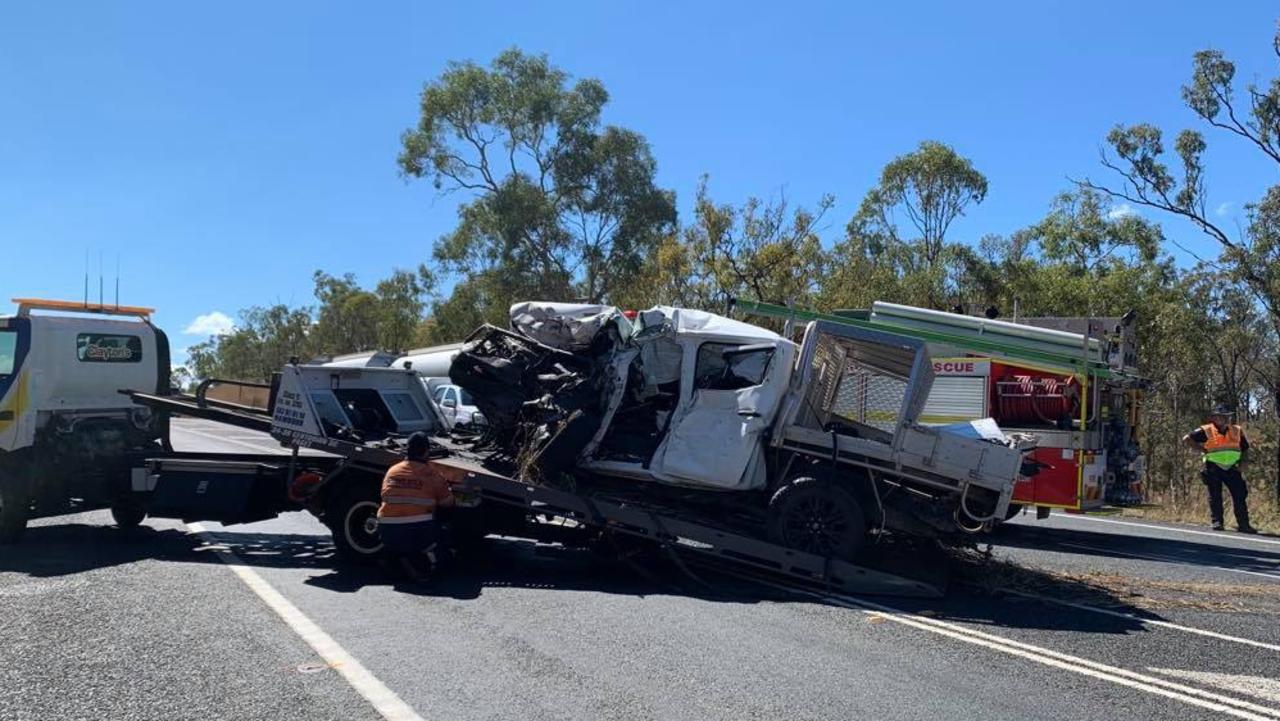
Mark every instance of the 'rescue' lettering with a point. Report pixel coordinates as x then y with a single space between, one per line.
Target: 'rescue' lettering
961 367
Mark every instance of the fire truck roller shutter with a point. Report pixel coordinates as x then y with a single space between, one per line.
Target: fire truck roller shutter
955 398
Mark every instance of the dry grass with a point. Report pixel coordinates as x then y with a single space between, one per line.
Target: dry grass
1193 507
1112 590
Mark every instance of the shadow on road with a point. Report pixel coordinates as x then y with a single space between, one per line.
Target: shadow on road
60 550
1111 545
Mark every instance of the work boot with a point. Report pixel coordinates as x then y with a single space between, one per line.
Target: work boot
417 569
1247 529
1216 525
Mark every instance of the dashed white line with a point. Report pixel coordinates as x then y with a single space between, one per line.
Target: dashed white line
383 699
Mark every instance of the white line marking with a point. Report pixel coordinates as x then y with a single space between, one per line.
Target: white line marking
1055 659
1147 621
384 700
1267 689
1214 534
1171 559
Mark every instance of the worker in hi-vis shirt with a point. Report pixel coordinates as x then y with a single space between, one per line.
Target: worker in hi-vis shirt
1225 447
412 494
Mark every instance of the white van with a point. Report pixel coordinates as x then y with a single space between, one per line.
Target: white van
457 405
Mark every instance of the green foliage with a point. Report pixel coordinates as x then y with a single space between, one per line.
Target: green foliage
1251 257
350 319
556 206
1246 274
763 250
400 305
347 319
262 342
560 207
930 187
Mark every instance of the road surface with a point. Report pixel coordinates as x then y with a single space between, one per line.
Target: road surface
1112 619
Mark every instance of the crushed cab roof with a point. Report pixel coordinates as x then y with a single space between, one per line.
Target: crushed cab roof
685 320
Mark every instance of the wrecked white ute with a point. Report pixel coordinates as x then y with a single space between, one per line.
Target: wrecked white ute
820 438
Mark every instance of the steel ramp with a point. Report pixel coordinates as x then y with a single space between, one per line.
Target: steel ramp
705 541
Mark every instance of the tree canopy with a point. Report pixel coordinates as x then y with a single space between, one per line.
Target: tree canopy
553 204
558 205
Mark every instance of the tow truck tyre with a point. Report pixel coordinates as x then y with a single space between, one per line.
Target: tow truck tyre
128 514
13 510
813 515
352 516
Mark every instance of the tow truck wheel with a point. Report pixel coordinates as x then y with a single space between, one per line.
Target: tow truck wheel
352 516
13 510
815 516
128 514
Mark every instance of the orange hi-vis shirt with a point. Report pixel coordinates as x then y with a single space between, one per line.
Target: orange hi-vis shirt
411 490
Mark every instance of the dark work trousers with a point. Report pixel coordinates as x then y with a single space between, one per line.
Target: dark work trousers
405 539
1215 478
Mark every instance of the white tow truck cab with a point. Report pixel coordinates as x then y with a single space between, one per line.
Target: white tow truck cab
316 401
432 366
65 429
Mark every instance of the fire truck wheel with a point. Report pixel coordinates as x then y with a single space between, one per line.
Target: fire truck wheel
352 516
13 510
128 514
815 516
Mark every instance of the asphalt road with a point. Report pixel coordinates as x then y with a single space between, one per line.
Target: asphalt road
1110 619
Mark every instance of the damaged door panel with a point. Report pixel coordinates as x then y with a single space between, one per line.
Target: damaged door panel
715 439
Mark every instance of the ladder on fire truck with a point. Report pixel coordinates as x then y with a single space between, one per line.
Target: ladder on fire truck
976 344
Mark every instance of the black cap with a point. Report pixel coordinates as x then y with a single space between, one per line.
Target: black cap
1222 409
418 447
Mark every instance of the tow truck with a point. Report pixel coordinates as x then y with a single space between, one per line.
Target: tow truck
65 434
358 417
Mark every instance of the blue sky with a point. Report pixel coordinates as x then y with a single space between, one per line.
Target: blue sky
225 151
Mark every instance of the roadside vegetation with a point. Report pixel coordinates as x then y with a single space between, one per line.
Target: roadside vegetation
555 204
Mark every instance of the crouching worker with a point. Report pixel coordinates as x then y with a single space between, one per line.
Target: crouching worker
412 494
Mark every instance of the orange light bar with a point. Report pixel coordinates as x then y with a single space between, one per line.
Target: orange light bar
25 305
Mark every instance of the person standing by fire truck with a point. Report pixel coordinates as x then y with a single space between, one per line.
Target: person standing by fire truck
1225 447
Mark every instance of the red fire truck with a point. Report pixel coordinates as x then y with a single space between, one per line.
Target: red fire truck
1070 382
1084 426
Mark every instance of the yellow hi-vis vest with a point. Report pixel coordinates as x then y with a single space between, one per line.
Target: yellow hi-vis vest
1221 449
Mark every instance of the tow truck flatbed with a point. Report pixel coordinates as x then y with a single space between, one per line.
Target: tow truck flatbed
345 487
